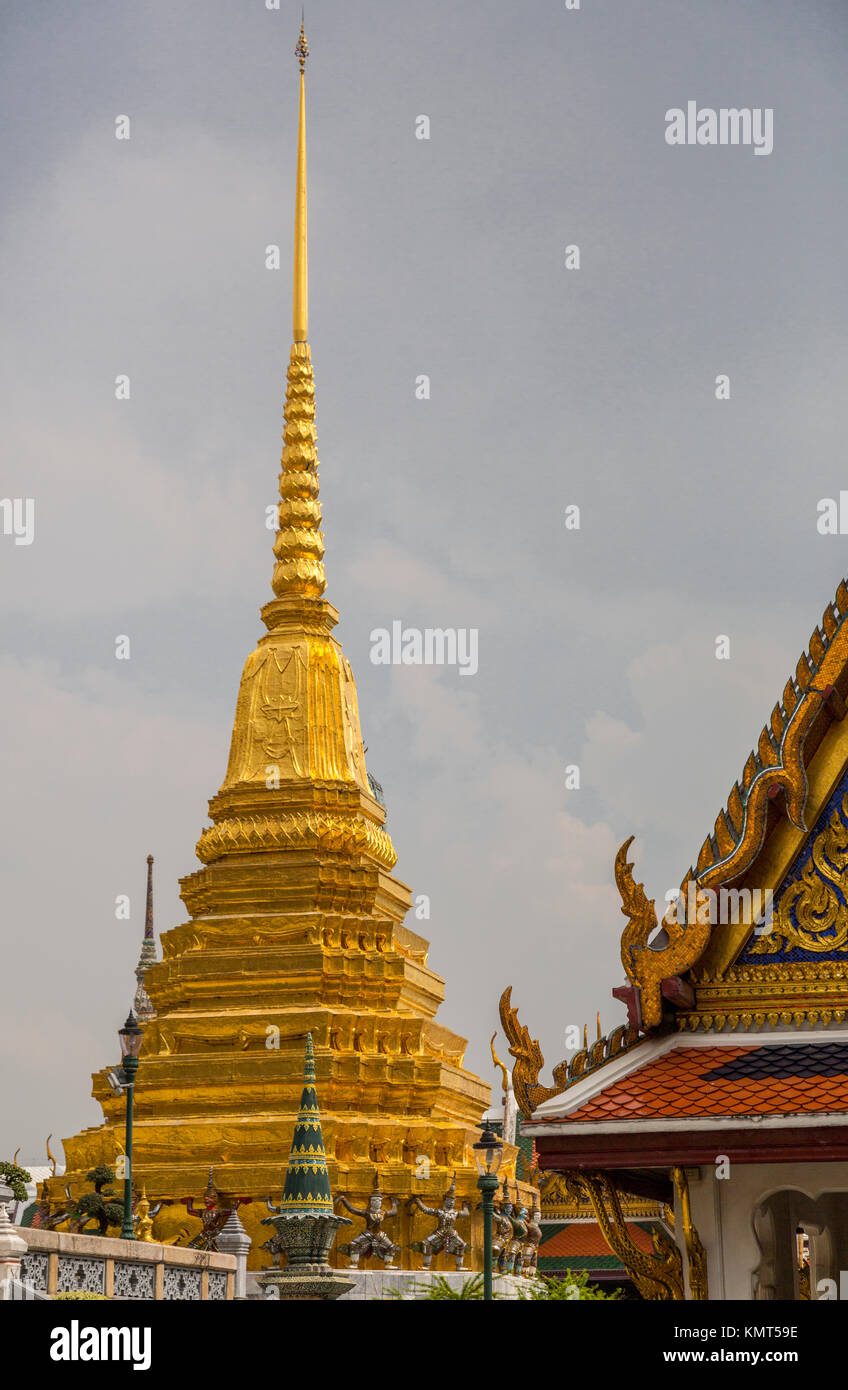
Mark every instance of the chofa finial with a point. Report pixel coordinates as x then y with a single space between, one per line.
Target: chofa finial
302 50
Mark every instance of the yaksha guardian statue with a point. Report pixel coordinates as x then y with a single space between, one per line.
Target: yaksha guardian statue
515 1250
504 1225
212 1217
530 1253
373 1240
501 1235
445 1237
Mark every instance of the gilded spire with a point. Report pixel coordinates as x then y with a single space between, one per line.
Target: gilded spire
142 1005
148 909
299 545
300 301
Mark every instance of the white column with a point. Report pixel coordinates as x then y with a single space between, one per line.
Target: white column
12 1250
234 1240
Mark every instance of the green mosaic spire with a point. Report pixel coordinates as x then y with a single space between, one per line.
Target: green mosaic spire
307 1189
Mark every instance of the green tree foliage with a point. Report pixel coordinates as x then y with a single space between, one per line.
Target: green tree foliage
440 1288
573 1288
16 1178
100 1205
544 1288
100 1176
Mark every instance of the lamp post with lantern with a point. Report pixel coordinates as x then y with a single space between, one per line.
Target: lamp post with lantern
130 1037
487 1153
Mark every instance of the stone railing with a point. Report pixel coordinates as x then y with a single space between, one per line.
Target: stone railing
58 1262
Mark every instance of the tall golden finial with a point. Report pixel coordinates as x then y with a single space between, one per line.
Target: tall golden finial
302 50
599 1025
585 1036
300 302
299 545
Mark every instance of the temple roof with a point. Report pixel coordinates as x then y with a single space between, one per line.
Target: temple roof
776 955
818 669
787 1077
582 1244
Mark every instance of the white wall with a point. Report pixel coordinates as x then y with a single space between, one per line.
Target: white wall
723 1212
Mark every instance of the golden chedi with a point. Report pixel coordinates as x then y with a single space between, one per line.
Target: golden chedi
296 926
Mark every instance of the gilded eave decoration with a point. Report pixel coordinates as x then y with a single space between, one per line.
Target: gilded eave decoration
811 911
529 1058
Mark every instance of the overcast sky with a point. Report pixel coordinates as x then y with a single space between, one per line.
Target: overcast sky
549 387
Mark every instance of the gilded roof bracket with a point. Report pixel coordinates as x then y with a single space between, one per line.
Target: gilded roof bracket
658 1277
695 1252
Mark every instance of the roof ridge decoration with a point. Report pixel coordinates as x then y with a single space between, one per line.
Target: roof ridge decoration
726 854
739 829
529 1058
723 844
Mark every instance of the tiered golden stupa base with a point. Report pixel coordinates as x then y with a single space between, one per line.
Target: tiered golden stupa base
296 926
412 1118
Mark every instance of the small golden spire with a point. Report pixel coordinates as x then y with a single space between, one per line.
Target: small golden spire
302 50
585 1036
300 300
144 1221
599 1025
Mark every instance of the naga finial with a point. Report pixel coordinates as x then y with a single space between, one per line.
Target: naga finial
50 1157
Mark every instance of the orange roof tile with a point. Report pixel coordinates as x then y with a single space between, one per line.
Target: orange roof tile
688 1082
584 1238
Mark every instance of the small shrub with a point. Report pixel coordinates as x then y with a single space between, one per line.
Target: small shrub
441 1288
573 1288
77 1296
101 1205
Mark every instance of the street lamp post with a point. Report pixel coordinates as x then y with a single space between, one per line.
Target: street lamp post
487 1154
130 1036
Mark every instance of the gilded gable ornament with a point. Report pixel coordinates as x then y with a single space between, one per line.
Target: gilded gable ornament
811 913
